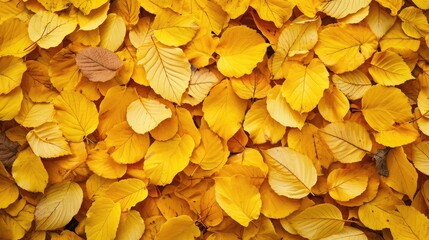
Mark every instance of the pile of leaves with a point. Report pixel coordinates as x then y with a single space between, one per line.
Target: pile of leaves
214 119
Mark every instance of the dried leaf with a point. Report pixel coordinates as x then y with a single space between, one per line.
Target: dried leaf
98 64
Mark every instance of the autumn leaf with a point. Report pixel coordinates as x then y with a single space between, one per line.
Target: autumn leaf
98 64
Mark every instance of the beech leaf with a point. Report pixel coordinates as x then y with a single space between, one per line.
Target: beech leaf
98 64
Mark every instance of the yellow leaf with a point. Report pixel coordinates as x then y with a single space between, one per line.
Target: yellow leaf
164 160
12 9
393 5
8 190
250 157
276 206
112 32
345 184
58 206
34 114
167 69
37 76
348 232
131 226
238 198
379 20
290 174
234 8
145 114
129 10
408 223
87 5
127 192
209 14
114 106
334 105
260 126
201 82
422 4
96 186
276 11
389 69
93 19
11 71
240 49
224 110
76 115
414 22
345 47
29 172
280 110
102 164
398 136
383 106
15 227
129 146
211 153
420 157
48 29
262 228
353 84
102 219
10 104
180 227
356 17
12 42
395 38
376 214
322 220
402 174
348 141
186 125
47 141
254 85
173 29
339 9
309 8
63 71
200 50
304 85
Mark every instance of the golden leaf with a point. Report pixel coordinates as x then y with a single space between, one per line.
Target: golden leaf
47 141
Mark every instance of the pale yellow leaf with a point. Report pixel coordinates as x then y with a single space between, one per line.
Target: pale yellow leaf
131 226
276 11
349 233
340 9
93 19
145 114
112 32
238 198
102 219
58 206
395 38
224 110
234 8
10 104
35 114
48 29
201 82
29 172
348 141
164 160
13 42
414 22
379 20
47 141
420 157
127 192
322 220
353 84
167 69
290 174
87 5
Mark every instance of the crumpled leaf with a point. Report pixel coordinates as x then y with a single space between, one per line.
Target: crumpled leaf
98 64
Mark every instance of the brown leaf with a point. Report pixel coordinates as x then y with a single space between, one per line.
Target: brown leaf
8 150
98 64
380 158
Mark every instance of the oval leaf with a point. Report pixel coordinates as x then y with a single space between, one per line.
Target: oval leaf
47 141
127 192
389 69
180 227
57 207
29 172
98 64
102 219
